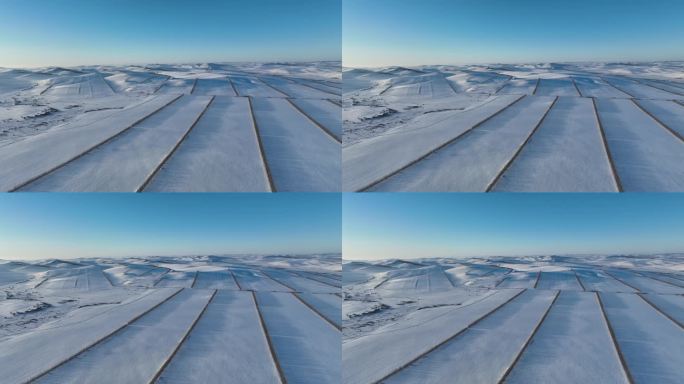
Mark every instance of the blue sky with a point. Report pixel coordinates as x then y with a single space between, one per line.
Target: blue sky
411 225
77 32
412 32
112 225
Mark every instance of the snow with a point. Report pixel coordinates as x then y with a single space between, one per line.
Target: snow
80 325
300 155
486 349
227 342
653 346
124 163
391 119
647 156
566 154
221 153
492 323
51 117
573 345
362 167
481 155
307 348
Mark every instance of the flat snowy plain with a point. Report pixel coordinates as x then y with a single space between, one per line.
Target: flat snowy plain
554 319
537 128
189 128
213 319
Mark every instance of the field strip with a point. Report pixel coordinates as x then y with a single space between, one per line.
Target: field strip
650 342
312 87
559 280
33 158
307 347
328 305
142 346
228 342
215 280
604 140
665 278
648 84
271 348
572 345
557 87
274 88
621 281
616 87
301 157
661 311
657 120
125 162
298 283
649 284
461 165
613 338
253 280
174 148
510 161
315 122
566 153
485 349
260 141
323 113
426 332
646 156
31 356
318 279
184 338
315 310
390 155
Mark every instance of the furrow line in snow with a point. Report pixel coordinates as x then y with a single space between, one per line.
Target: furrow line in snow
271 185
271 349
161 277
163 83
616 87
653 86
175 148
182 340
46 89
536 86
679 102
334 102
475 322
536 282
623 362
106 82
505 83
657 120
529 339
233 86
274 88
234 279
279 282
41 282
441 146
316 280
620 280
578 280
613 170
643 296
102 143
658 279
316 123
107 336
385 90
194 84
492 184
576 87
194 280
107 277
316 311
309 86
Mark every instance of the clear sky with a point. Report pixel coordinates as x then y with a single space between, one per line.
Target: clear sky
411 225
56 225
415 32
36 33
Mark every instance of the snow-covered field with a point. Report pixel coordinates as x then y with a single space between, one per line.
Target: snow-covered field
210 319
545 127
553 319
201 127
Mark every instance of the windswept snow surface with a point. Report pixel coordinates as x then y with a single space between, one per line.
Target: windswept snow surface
538 319
171 320
614 127
169 128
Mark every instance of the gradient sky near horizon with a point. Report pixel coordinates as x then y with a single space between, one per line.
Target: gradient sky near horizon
57 225
412 32
413 225
39 33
